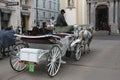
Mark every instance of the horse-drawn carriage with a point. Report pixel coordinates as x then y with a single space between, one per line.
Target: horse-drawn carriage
49 47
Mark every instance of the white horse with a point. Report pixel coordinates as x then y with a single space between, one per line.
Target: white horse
84 36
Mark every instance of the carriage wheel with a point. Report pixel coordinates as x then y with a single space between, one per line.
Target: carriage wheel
77 52
54 60
15 61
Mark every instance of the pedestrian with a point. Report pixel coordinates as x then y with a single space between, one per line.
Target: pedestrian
52 21
61 19
119 25
109 30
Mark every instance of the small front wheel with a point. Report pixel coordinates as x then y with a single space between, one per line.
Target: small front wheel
54 60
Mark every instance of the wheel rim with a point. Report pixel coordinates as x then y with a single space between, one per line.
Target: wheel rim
54 61
77 52
15 61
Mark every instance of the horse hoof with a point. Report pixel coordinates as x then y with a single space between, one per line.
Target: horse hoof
1 56
82 54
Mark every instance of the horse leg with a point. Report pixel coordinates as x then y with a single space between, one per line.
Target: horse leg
88 51
8 51
89 43
1 55
84 48
3 51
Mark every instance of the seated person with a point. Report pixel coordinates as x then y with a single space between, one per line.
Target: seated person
46 29
35 30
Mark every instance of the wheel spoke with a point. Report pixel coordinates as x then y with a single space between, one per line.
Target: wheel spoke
15 64
56 49
77 52
57 55
49 67
17 68
52 53
20 66
53 71
14 60
55 67
48 64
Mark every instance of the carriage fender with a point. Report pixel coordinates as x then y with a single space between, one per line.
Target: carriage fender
42 53
79 40
75 41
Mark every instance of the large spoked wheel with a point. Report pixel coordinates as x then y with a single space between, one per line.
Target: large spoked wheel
15 61
77 52
54 60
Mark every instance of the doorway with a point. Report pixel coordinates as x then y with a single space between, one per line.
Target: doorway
102 17
24 23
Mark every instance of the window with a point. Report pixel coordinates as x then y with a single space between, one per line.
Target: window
89 12
49 15
50 4
114 11
54 5
43 14
58 6
26 1
71 3
20 2
43 4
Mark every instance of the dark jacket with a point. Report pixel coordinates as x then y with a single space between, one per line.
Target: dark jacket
61 21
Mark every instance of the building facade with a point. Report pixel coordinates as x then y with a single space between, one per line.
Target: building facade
76 11
103 13
5 14
16 13
45 9
100 13
27 13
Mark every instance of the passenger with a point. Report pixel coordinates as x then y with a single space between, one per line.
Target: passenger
35 30
46 29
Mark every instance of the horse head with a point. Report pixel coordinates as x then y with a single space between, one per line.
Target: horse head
77 29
